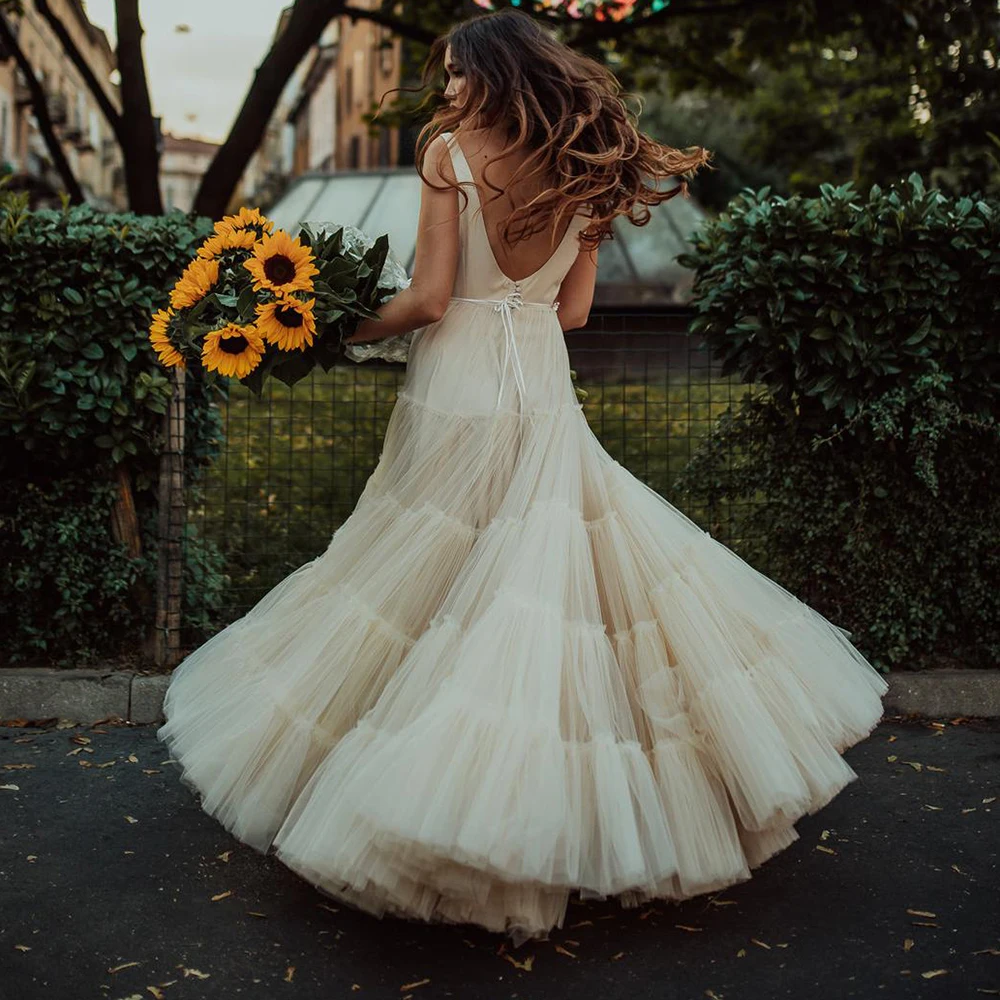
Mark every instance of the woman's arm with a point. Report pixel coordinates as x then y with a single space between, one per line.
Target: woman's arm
576 293
435 260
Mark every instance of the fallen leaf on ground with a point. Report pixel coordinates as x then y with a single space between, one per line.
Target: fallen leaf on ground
617 955
825 850
125 965
907 944
133 759
289 973
11 788
761 943
410 986
224 856
921 913
17 767
193 972
131 819
933 973
916 765
157 993
222 895
688 927
22 947
525 965
564 951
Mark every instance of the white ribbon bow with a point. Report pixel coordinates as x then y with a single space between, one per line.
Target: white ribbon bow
512 300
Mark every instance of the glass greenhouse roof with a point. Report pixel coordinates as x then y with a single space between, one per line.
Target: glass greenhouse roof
637 267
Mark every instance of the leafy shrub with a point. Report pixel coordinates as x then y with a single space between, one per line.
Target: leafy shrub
868 465
81 391
832 300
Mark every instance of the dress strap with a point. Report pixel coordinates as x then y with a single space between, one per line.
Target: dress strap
463 172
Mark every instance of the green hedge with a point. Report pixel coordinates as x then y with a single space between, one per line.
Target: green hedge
81 390
870 462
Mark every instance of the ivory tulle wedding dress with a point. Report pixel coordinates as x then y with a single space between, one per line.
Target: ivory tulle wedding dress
516 672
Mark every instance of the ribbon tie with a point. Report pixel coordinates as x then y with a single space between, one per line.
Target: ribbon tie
512 300
505 306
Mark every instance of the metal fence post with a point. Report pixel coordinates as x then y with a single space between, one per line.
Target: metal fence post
171 524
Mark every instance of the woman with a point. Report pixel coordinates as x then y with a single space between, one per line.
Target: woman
517 672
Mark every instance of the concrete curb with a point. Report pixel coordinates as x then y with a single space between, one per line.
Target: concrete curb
87 696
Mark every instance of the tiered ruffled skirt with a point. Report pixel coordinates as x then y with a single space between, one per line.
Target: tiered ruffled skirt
517 672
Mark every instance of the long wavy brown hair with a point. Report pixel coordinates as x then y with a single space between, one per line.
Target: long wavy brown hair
569 111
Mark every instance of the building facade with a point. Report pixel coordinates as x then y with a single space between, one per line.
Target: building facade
318 125
85 136
183 161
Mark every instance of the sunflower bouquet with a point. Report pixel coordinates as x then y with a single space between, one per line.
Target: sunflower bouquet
256 301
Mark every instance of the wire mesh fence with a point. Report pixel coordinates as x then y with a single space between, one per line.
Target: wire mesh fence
293 464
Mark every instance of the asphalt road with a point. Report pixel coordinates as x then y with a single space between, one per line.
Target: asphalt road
115 884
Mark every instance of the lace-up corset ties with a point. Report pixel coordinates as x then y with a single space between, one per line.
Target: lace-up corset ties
506 306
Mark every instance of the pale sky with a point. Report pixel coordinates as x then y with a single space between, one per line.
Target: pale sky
198 77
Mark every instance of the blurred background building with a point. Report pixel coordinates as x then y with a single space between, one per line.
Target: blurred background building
85 136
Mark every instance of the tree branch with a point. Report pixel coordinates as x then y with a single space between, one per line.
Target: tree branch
138 137
305 25
74 55
405 29
40 106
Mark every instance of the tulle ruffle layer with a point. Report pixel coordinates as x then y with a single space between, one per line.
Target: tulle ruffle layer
515 673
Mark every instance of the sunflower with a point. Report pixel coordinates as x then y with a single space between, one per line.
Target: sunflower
197 279
281 265
232 350
236 239
160 339
249 219
288 323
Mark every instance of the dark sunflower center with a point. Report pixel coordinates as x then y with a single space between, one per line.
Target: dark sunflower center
233 345
289 317
279 269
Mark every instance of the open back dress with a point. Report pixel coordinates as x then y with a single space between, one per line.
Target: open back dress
516 672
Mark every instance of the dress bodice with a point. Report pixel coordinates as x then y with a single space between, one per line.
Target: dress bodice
478 274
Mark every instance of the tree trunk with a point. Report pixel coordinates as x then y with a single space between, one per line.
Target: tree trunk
139 140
